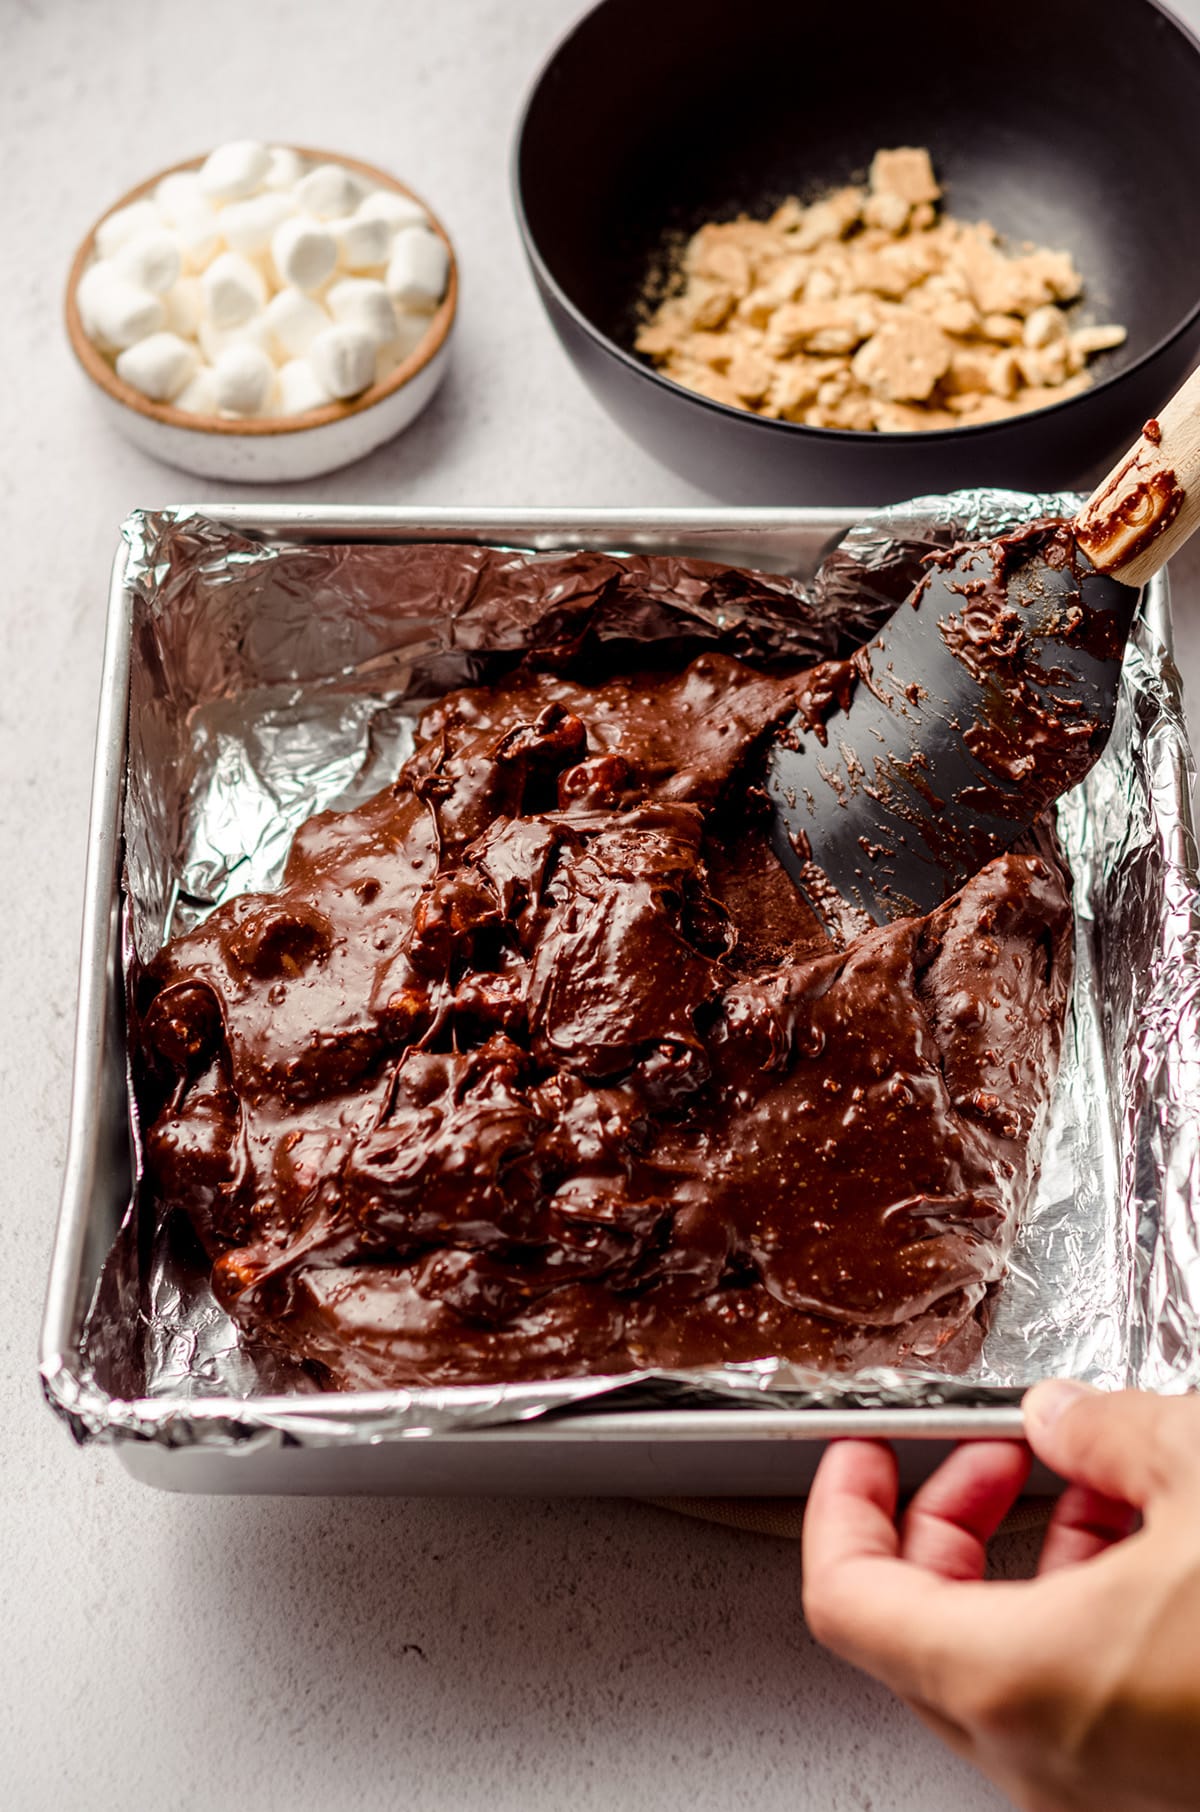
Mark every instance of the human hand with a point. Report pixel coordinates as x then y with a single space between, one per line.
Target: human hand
1076 1691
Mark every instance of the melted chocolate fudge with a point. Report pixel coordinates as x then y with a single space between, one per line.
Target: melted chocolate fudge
537 1064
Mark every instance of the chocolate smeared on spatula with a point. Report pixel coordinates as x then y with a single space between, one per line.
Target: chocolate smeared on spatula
986 697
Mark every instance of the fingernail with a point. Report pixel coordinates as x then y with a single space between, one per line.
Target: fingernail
1045 1403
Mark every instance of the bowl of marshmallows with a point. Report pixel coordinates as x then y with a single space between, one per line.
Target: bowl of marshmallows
264 313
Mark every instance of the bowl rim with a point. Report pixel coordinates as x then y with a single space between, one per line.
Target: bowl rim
104 376
884 437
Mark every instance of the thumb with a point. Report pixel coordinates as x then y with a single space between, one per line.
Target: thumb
1127 1444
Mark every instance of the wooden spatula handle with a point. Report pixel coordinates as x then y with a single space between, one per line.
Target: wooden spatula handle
1150 503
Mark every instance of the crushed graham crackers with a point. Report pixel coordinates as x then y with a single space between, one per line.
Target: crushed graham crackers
870 309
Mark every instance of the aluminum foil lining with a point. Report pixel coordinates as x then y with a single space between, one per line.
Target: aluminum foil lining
271 681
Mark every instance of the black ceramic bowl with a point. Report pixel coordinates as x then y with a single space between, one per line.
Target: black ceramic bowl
1072 123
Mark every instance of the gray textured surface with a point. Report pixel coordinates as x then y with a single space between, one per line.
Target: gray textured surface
335 1654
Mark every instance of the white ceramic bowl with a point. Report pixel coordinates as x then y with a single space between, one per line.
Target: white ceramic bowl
271 449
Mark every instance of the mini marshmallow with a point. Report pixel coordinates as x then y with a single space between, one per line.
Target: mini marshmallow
255 332
234 170
248 225
329 192
243 378
87 292
362 244
285 168
177 194
199 397
150 259
395 210
295 320
198 235
343 359
362 302
185 307
305 253
233 290
159 366
121 312
300 389
136 217
420 264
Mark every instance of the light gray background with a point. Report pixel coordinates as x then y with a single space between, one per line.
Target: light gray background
336 1654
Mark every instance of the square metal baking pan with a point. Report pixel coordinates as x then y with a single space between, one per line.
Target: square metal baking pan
658 1452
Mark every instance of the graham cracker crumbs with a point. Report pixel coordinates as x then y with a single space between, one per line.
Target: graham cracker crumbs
870 309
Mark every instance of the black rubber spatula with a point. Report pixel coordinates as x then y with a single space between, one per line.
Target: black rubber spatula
988 694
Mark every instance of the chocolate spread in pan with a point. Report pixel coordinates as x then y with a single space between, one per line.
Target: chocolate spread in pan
538 1064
